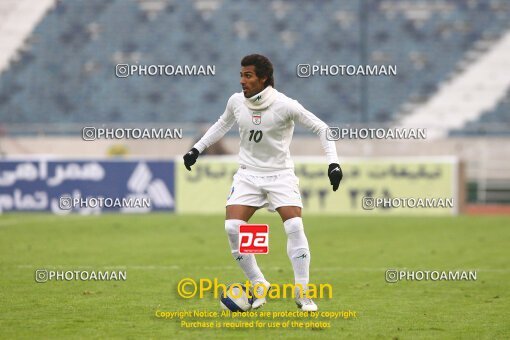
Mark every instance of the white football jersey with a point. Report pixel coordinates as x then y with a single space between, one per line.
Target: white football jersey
266 131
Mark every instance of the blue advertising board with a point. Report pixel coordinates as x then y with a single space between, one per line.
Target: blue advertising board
86 186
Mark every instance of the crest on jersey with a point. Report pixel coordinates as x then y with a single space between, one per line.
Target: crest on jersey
256 118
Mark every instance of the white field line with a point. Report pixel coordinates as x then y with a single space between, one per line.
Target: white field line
175 267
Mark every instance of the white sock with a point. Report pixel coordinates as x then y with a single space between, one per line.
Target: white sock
247 262
298 251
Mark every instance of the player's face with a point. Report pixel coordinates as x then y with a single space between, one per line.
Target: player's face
250 83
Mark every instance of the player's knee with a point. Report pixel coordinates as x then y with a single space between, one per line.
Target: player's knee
232 226
293 225
297 244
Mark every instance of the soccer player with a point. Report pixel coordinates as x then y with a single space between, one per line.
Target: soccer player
266 173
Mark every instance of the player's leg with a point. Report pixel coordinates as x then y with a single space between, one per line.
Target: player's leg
283 193
240 212
245 197
299 254
288 212
297 244
235 216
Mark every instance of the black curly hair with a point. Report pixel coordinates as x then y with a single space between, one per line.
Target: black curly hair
263 67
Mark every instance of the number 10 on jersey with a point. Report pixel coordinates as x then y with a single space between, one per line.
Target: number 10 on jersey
255 135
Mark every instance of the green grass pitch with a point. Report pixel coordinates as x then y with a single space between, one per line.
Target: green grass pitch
350 253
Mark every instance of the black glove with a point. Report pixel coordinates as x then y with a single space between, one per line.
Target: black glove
335 175
190 158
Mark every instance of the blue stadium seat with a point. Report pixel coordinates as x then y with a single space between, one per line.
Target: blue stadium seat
67 73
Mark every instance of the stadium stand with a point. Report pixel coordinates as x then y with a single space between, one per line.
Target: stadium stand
492 123
65 71
476 88
17 21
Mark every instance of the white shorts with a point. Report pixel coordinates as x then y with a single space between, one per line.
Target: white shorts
271 191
